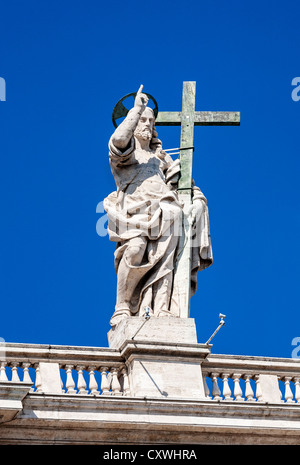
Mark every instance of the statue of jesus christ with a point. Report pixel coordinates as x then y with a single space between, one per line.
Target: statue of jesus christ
145 217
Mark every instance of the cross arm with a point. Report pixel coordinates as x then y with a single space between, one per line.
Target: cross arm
201 118
168 118
217 118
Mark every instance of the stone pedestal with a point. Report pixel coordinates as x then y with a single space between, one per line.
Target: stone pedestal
165 330
162 356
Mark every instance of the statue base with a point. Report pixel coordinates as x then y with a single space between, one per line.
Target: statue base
164 329
162 356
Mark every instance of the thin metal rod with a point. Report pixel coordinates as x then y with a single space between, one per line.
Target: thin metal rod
179 148
139 329
222 323
147 317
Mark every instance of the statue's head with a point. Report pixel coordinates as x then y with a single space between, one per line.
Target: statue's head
145 129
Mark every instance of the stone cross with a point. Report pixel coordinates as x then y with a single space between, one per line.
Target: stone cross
187 119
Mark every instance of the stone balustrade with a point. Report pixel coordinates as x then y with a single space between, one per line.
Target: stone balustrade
72 370
176 390
251 379
65 369
112 381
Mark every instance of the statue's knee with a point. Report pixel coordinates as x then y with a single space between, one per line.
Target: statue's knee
134 255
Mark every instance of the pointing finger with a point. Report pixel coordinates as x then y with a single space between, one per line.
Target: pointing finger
140 89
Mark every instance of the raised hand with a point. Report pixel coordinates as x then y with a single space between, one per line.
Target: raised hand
141 100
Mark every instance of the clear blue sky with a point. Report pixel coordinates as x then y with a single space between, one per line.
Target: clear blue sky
66 64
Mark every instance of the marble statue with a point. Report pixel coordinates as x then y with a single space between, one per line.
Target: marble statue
145 217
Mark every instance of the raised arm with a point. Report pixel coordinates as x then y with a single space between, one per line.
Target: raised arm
122 135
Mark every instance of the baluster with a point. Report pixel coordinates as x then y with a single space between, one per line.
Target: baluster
226 387
62 386
126 388
61 368
215 387
38 379
81 384
248 391
288 395
14 372
280 391
105 382
70 384
93 385
26 375
297 389
115 384
206 388
258 393
3 376
237 392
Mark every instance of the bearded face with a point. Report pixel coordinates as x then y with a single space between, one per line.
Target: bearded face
145 125
143 133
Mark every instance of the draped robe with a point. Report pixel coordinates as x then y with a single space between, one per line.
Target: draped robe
146 205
